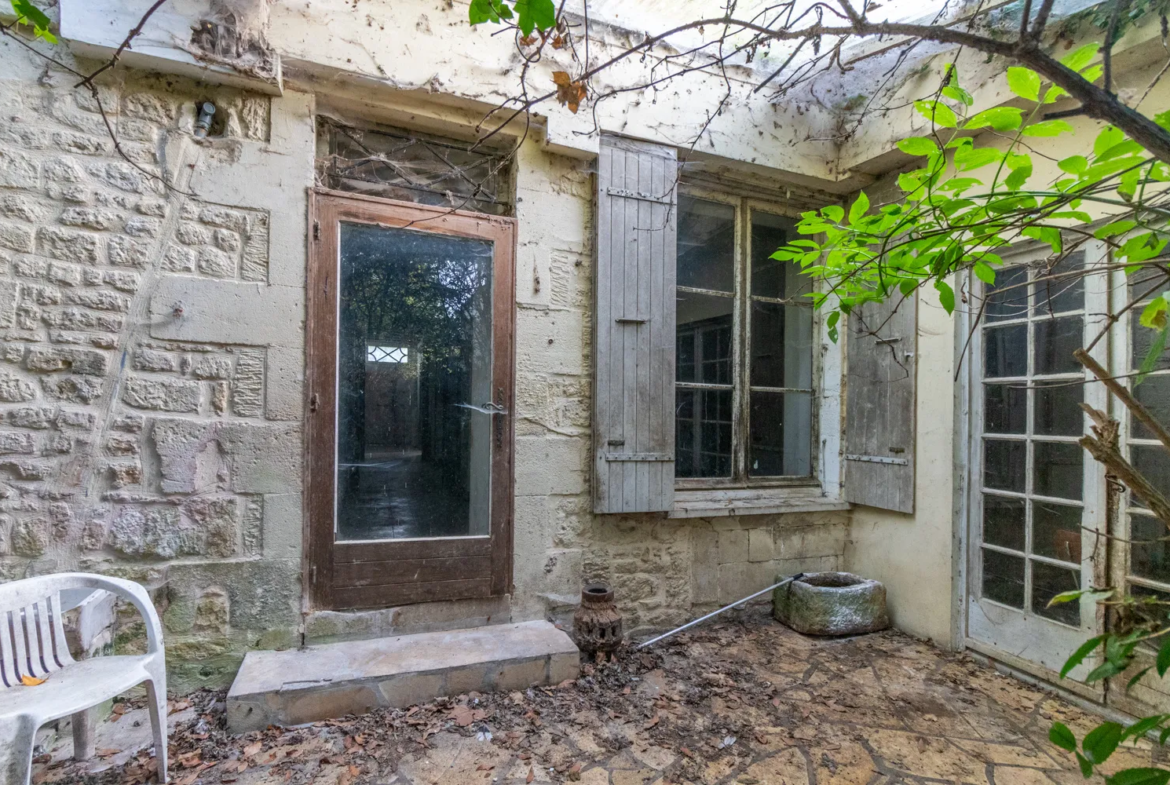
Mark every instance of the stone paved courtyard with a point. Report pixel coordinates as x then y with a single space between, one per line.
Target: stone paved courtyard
746 701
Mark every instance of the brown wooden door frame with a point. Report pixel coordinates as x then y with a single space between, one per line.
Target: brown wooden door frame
383 573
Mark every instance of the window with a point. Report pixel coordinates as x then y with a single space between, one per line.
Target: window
743 352
1033 479
1149 551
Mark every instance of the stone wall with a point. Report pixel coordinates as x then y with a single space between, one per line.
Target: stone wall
151 394
122 450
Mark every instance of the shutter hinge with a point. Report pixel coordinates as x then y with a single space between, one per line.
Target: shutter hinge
313 575
313 401
316 230
878 459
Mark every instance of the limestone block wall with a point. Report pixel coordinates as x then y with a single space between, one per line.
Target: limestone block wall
151 381
134 440
663 570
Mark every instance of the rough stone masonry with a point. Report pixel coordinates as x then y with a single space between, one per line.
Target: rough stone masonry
119 452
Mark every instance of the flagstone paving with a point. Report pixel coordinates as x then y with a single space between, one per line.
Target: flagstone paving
746 701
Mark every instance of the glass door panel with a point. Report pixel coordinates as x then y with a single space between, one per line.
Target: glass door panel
414 385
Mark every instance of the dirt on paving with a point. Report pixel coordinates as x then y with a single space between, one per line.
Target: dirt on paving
743 701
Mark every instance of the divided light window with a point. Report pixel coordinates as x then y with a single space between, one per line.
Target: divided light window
744 360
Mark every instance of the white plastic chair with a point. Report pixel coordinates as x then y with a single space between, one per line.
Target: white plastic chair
32 643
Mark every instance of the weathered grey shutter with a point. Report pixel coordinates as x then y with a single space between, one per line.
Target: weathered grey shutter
633 414
880 403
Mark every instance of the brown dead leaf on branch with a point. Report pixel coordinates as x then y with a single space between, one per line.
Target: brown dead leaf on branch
569 92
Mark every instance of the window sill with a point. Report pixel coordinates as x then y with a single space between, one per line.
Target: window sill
772 501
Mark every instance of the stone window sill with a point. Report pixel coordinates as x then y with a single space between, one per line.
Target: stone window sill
771 501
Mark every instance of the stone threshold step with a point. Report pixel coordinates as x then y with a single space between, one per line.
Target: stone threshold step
322 682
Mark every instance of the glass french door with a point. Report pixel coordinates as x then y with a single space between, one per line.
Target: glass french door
1036 506
410 444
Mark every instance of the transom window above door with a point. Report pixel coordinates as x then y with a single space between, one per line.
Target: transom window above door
744 338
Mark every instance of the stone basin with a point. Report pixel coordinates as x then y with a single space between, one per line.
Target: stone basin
831 603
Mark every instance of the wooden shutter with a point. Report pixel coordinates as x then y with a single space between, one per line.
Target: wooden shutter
880 404
633 415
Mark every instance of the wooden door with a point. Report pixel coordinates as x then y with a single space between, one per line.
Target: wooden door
410 432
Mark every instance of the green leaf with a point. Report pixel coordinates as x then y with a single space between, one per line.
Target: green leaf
1000 118
1113 229
1147 776
956 93
946 295
859 208
1053 94
938 113
1047 128
1062 737
984 272
535 14
1134 680
1086 767
1024 82
833 212
1079 58
1079 655
968 158
918 145
1018 177
27 13
1144 725
1074 164
1154 315
1101 741
1108 137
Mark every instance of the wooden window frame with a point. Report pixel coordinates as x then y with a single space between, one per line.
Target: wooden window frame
483 563
741 365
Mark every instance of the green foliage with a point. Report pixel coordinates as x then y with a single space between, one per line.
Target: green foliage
968 201
29 14
530 15
963 206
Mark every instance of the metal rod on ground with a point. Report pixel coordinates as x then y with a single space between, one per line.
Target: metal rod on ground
689 624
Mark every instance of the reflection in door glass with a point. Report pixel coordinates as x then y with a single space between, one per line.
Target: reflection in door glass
414 357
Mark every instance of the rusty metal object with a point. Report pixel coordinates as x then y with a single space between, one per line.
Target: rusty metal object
597 623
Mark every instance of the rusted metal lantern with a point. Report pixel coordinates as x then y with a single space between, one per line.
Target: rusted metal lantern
597 624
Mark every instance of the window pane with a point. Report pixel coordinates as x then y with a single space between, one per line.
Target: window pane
781 350
1151 461
1005 408
1003 521
772 278
1056 340
702 433
414 344
1058 411
1154 394
781 435
1056 531
703 338
1003 578
1004 464
1149 554
1048 581
1007 298
1063 294
1058 469
706 244
1005 351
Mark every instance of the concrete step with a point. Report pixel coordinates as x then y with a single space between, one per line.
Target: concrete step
321 682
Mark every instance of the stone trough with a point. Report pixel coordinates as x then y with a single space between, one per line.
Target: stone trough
831 603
